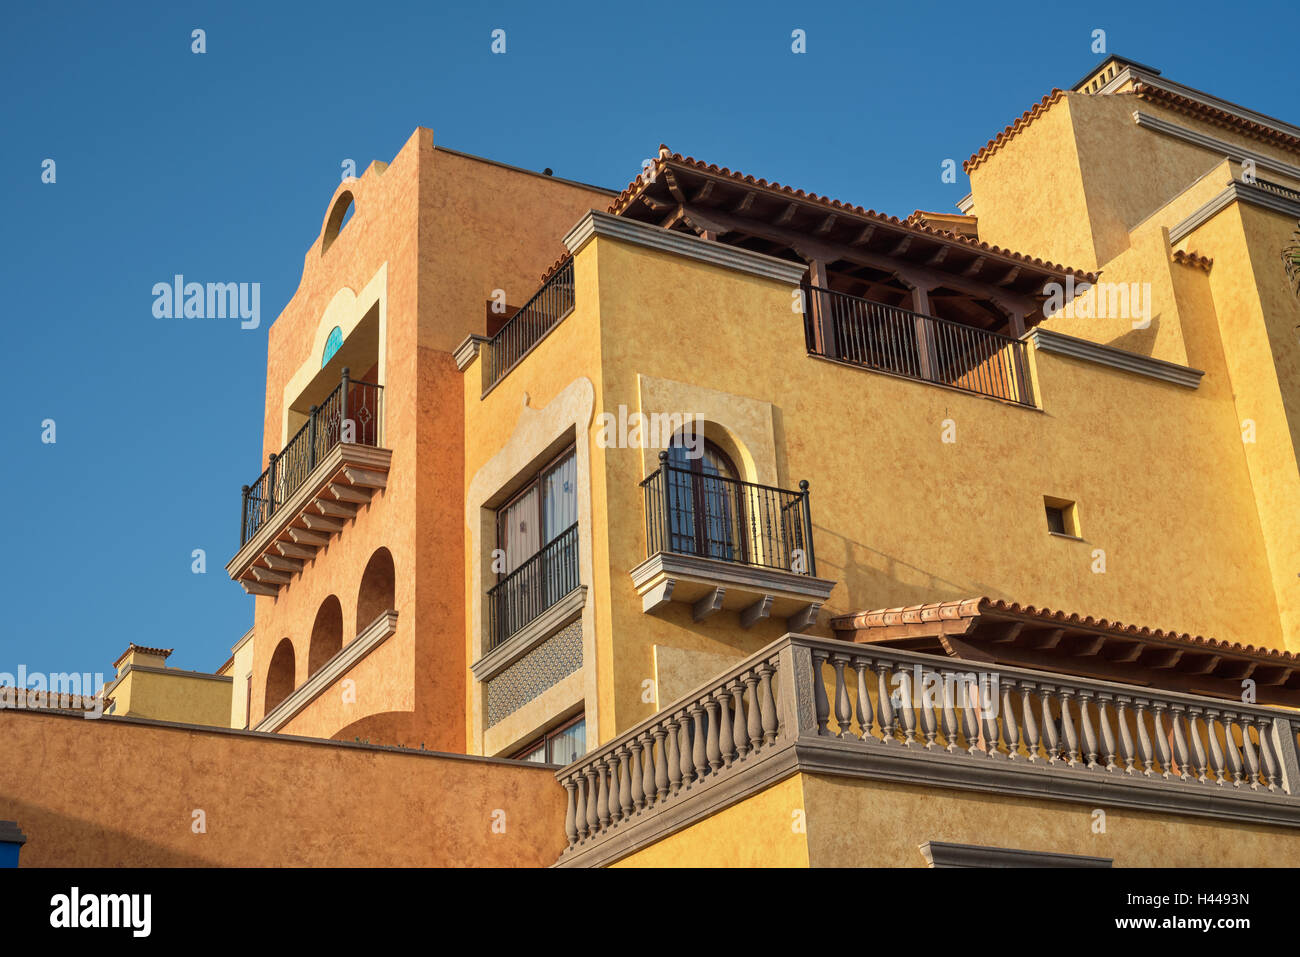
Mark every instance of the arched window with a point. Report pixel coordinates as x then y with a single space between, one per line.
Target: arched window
338 218
326 634
332 345
280 675
705 500
376 593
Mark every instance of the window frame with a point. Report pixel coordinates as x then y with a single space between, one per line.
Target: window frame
544 740
533 484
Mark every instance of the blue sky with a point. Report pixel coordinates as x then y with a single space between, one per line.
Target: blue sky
218 166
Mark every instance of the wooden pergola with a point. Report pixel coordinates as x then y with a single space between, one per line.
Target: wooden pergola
847 249
993 631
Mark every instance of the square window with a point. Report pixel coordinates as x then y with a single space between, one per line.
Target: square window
1062 516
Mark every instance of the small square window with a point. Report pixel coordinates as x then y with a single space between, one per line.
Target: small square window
1062 516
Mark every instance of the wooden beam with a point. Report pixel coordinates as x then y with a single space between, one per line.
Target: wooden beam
1011 275
864 237
745 203
974 268
788 215
1087 646
938 257
656 205
1049 640
673 186
705 192
826 226
902 247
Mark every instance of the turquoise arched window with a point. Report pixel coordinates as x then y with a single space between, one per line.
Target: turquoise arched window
332 345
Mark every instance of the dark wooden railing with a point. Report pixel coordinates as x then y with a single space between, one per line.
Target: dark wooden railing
533 587
358 403
530 324
709 516
888 339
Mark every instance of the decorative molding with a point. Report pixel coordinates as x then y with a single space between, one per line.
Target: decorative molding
595 223
944 854
531 635
376 633
468 350
1046 340
1235 191
1214 144
749 577
1152 78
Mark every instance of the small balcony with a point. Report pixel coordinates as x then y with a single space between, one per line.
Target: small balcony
532 589
719 543
888 339
529 326
328 470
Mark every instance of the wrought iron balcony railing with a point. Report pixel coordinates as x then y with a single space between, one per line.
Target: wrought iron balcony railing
888 339
352 413
709 516
529 325
536 585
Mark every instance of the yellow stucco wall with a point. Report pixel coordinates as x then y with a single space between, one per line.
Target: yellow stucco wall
766 830
174 697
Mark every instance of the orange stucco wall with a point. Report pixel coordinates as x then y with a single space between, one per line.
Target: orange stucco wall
93 794
446 229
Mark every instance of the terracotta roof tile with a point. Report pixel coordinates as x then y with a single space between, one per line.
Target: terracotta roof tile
1190 107
975 607
665 156
1022 121
162 652
1192 259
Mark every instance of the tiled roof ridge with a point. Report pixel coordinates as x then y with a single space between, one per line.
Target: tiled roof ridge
145 650
1214 115
973 607
1194 260
1020 122
665 155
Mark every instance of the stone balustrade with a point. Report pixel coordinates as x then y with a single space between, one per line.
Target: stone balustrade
834 707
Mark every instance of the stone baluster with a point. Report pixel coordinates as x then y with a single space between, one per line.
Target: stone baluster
1248 747
580 822
767 704
1146 753
1264 726
929 718
1046 696
602 793
662 761
988 703
1104 707
843 709
593 815
884 703
1232 720
755 722
819 697
950 711
1125 732
686 752
712 750
726 745
637 780
571 812
1033 737
863 706
1217 764
625 757
1067 728
738 730
1162 739
1010 726
674 757
1182 754
970 718
1089 731
1198 745
908 706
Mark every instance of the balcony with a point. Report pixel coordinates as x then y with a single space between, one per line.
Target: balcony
529 326
887 339
806 704
532 589
327 471
716 542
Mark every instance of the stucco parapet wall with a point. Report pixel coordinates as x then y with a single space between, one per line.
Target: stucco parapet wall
798 709
469 350
169 672
1233 151
531 635
595 223
1045 340
1234 192
374 635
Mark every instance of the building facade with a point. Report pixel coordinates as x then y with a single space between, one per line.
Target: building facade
800 534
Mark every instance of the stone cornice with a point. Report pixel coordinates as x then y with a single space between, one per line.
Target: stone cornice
342 662
595 223
1234 192
1045 340
1213 143
944 854
468 350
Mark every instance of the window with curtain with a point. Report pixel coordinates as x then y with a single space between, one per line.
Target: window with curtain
564 745
539 513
